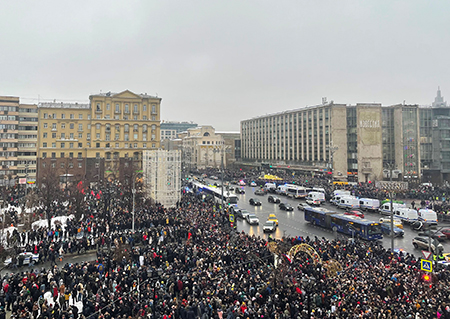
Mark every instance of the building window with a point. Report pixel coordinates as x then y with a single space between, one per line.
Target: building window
127 128
117 108
135 128
80 117
144 108
72 116
97 145
153 127
97 136
144 117
80 127
63 145
144 128
53 135
135 145
127 137
44 144
45 116
63 116
80 164
80 145
45 135
153 118
88 136
127 109
80 155
45 125
107 136
153 145
144 145
116 136
63 136
144 137
108 127
107 145
53 126
89 116
135 136
126 145
80 135
71 136
108 107
53 165
117 145
71 155
54 115
72 126
97 126
44 155
88 144
62 165
63 126
153 108
53 145
53 155
70 165
62 155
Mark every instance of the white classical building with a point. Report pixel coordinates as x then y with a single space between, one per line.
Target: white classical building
203 147
162 176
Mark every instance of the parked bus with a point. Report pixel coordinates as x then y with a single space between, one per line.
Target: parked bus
346 224
296 191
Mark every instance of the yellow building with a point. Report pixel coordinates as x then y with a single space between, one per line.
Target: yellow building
96 140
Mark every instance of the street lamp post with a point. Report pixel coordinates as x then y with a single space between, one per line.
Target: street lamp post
392 208
332 150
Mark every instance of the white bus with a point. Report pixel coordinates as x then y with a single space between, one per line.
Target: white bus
296 191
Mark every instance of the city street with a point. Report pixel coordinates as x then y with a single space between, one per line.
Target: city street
292 223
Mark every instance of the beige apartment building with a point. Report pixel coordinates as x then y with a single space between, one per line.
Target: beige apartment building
18 138
97 140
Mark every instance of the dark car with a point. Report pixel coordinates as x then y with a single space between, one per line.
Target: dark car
273 199
286 206
386 230
260 192
446 232
239 190
255 202
434 234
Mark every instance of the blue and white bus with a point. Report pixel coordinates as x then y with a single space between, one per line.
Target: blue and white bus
216 193
347 224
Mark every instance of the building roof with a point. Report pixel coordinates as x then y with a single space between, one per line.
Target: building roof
62 105
142 95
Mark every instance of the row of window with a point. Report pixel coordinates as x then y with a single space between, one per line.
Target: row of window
98 127
126 137
126 109
97 145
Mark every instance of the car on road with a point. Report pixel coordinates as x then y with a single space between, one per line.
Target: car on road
244 213
239 190
273 199
356 213
214 177
434 234
273 217
269 226
312 201
386 230
26 257
422 243
255 202
397 222
259 192
286 206
252 219
253 184
302 206
446 232
236 211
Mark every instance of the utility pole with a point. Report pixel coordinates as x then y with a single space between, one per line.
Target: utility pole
134 193
392 208
332 150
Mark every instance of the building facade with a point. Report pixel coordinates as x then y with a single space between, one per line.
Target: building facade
95 140
203 148
162 176
18 124
359 142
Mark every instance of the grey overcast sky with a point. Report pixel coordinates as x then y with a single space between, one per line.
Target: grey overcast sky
220 62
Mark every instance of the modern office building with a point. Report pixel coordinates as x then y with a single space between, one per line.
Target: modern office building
162 176
18 124
97 139
359 142
170 130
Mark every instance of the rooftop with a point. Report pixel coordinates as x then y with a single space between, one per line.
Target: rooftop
62 105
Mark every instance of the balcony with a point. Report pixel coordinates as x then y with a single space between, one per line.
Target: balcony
366 170
136 112
98 111
117 112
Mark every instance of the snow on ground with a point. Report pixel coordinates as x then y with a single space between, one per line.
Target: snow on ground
62 220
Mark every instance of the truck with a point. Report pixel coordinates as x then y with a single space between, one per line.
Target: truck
427 216
385 209
317 196
407 215
348 202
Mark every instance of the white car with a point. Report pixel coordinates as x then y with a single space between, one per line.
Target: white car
27 256
312 201
252 219
269 226
253 184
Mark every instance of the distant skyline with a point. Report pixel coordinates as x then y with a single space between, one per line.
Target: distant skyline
219 62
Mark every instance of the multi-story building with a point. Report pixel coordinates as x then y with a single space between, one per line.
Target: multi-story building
203 148
356 142
162 176
170 130
96 140
18 137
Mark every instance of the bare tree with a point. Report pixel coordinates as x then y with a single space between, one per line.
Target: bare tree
49 189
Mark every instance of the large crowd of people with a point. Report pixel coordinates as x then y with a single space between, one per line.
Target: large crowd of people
186 262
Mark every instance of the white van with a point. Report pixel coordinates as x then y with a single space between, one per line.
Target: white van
405 214
270 187
281 190
318 196
385 209
341 192
348 202
369 204
318 189
427 216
